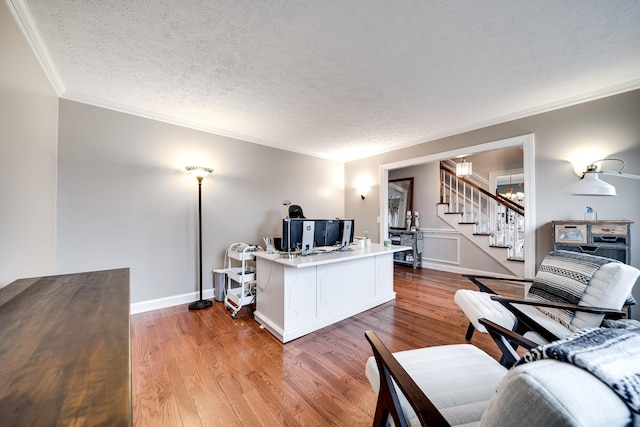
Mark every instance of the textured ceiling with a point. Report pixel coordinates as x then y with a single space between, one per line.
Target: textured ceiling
341 79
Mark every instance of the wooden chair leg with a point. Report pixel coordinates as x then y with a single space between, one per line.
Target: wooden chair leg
470 331
381 417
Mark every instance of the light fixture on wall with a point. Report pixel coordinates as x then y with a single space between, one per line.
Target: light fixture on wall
464 168
199 172
363 192
591 185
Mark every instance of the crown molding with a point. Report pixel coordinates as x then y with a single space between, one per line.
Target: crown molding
24 18
568 102
147 114
521 114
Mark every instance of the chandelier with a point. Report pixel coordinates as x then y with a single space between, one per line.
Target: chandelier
517 197
464 168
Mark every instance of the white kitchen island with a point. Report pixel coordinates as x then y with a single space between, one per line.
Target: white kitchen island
304 294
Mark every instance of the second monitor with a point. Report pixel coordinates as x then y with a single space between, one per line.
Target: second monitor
326 232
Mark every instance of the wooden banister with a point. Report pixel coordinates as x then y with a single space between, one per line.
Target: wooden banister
499 199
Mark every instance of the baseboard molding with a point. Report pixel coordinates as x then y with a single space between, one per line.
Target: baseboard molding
156 304
460 270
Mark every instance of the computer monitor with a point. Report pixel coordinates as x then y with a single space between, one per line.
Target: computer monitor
327 232
331 232
291 234
297 227
346 232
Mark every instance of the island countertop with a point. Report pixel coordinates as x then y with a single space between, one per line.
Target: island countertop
315 259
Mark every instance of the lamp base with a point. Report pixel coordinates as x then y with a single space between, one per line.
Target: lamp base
200 304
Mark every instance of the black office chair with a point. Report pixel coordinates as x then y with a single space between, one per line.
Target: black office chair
295 211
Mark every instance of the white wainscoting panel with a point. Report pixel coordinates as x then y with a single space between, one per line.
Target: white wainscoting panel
441 248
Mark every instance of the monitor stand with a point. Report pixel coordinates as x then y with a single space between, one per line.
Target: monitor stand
308 231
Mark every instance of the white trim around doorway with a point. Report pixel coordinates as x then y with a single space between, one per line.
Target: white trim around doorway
528 149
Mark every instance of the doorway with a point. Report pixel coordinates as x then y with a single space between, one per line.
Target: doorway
525 142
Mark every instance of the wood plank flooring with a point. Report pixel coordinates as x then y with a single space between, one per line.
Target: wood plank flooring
203 368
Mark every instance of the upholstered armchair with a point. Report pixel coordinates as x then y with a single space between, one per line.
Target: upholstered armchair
571 291
460 385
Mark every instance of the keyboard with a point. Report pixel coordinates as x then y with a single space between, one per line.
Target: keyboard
324 249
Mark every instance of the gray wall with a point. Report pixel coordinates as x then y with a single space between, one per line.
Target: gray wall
609 126
125 200
28 125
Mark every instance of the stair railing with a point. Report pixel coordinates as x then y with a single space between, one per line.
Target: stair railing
493 215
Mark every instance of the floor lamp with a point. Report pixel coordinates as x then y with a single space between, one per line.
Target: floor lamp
199 173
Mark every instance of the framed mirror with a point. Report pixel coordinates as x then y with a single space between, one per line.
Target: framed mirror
400 201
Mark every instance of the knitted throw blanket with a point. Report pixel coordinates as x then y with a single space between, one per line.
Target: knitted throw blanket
563 277
612 355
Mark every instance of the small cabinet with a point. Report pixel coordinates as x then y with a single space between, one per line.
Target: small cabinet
414 239
609 239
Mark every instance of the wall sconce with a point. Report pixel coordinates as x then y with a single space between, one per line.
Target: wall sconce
464 168
363 192
591 185
362 185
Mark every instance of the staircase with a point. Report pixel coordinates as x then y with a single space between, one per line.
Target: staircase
493 223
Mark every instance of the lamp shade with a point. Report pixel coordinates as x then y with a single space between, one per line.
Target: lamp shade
199 171
590 185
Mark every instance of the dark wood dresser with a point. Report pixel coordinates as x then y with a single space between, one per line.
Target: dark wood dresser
64 350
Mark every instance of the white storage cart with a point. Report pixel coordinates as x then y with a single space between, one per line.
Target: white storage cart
243 274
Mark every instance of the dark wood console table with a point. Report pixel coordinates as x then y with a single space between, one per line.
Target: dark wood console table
64 350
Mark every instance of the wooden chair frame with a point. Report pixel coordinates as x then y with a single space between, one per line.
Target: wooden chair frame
388 402
389 369
525 323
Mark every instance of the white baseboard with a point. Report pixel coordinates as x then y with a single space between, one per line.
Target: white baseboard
456 269
156 304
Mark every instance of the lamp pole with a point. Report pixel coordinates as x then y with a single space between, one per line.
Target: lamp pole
200 173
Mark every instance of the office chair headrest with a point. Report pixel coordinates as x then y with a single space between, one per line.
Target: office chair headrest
295 211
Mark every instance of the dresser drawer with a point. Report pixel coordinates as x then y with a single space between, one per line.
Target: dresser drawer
609 234
611 239
571 233
609 229
619 253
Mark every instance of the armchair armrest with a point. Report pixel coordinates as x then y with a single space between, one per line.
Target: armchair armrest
484 288
388 403
507 341
608 312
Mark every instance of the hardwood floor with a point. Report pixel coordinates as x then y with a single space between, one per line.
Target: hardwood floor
193 368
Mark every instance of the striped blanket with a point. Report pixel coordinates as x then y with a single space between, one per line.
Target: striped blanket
612 355
564 276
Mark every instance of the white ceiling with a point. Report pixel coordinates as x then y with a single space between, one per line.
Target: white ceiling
339 79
